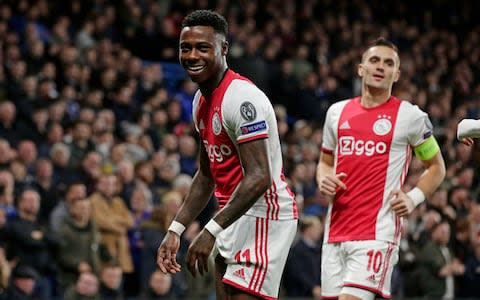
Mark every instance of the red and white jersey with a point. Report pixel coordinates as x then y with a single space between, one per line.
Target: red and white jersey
373 146
239 112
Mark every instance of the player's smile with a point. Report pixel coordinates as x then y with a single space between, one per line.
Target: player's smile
194 70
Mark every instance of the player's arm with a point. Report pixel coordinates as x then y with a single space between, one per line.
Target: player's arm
200 191
328 182
257 179
430 155
195 201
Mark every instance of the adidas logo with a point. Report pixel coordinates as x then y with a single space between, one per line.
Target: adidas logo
202 125
345 125
371 278
240 273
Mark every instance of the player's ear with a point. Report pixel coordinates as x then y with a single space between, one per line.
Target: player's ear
360 70
225 48
397 76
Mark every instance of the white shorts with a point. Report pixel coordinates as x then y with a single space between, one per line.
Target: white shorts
255 251
366 265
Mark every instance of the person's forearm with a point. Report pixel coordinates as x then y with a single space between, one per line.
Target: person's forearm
245 195
196 199
323 169
431 178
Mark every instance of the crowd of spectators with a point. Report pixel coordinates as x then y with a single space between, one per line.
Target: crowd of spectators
97 148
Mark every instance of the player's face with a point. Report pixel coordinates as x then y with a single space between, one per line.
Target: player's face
202 52
380 67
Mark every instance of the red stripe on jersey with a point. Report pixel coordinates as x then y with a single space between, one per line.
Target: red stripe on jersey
257 242
247 290
265 249
253 138
326 150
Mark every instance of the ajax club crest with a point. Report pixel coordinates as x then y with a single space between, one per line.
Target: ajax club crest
216 124
383 125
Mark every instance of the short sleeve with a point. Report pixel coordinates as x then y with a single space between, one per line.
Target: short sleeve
329 140
246 112
420 127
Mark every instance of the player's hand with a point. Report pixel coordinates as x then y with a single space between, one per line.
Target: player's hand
328 184
400 203
467 130
167 253
199 251
467 141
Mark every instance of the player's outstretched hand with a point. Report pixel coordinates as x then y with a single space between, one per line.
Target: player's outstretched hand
328 184
167 253
199 251
400 203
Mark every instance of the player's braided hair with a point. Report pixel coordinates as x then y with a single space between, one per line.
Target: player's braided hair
207 18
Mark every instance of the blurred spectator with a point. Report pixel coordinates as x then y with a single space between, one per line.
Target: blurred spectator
46 186
6 153
81 143
75 191
85 288
303 268
111 282
187 148
159 287
79 244
8 128
27 153
90 170
22 285
471 277
126 178
113 220
7 187
438 265
141 209
60 157
30 243
5 270
152 232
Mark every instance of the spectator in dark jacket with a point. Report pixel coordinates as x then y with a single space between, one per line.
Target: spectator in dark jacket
22 286
30 243
302 272
79 244
159 287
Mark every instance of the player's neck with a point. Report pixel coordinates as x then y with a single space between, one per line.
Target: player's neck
211 84
374 97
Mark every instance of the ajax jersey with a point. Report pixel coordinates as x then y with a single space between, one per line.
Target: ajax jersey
373 147
238 112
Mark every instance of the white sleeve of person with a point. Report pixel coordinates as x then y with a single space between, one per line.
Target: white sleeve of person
416 195
468 128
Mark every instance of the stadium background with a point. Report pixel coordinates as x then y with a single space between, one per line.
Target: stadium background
103 77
